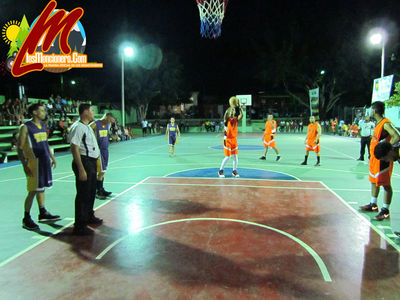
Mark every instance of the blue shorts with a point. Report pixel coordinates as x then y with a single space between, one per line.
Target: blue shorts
42 175
172 140
102 161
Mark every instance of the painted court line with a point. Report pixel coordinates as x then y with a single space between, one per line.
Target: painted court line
140 152
237 185
107 182
363 219
236 179
61 229
310 250
238 169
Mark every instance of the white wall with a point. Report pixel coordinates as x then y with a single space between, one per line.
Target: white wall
393 114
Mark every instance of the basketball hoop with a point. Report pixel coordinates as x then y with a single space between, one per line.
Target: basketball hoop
211 16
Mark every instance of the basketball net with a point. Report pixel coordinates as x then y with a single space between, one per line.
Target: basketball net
211 16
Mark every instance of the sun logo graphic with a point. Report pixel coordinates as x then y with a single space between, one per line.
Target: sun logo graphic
54 42
14 33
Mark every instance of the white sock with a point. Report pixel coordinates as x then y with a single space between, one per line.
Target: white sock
373 200
224 161
386 206
235 162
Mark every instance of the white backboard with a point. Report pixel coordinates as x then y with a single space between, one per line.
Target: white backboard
244 99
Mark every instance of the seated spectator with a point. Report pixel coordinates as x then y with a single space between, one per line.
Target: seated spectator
61 124
354 130
344 130
69 105
50 107
208 126
212 126
14 141
17 112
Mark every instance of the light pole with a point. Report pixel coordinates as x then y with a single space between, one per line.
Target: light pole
127 51
378 38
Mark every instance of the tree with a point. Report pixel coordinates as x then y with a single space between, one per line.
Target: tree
23 32
13 48
395 98
165 82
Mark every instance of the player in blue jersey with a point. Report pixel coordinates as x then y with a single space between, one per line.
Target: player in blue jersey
170 135
101 129
35 155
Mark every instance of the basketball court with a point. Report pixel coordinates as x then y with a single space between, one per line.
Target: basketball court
174 230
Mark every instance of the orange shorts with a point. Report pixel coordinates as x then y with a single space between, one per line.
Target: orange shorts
380 171
312 147
269 141
230 147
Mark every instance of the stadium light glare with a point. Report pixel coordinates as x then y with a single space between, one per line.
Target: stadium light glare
128 51
378 37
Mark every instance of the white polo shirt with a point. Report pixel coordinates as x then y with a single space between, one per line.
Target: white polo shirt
83 136
367 129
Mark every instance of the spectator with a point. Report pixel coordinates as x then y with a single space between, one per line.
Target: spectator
14 141
61 124
354 130
50 107
144 127
212 126
208 126
282 126
216 126
202 126
150 127
69 105
301 126
344 130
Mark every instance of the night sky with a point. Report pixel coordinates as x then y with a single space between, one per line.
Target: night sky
321 32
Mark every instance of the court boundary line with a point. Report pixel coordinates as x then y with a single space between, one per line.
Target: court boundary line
364 219
267 164
27 249
297 178
66 153
309 249
240 178
236 185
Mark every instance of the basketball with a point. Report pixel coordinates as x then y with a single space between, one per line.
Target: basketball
233 101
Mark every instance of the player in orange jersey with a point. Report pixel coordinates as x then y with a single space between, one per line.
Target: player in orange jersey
269 137
380 171
312 140
232 115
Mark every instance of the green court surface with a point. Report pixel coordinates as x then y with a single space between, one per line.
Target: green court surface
134 161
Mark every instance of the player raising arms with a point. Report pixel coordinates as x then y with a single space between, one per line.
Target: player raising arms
269 137
312 140
170 135
232 115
